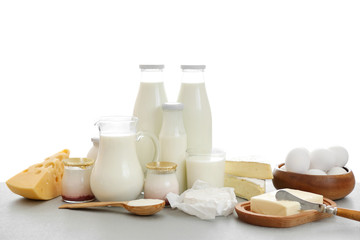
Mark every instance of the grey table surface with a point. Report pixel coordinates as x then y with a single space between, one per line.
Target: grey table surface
28 219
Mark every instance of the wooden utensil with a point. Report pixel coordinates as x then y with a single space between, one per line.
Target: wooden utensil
244 214
143 210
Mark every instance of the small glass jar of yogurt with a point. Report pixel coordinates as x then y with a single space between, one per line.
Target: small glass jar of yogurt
75 187
160 180
93 152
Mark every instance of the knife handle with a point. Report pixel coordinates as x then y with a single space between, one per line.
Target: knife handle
347 213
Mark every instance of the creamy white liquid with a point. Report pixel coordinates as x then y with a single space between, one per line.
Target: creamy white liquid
76 182
210 171
157 186
173 149
117 174
197 115
147 108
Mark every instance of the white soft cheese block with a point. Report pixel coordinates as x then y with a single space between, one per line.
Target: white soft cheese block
245 187
267 204
207 195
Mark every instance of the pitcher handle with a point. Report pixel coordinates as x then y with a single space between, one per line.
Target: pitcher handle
155 141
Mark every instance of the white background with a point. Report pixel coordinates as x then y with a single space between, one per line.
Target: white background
280 74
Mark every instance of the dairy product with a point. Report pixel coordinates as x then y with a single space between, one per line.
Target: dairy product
245 187
267 203
147 108
201 196
173 141
144 202
92 154
197 113
206 167
249 167
204 201
173 150
157 186
41 181
117 174
75 185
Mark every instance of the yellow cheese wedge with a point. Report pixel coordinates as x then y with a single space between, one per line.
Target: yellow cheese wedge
248 168
41 181
267 203
245 187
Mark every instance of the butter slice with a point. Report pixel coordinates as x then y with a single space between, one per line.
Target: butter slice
41 181
245 187
268 205
248 167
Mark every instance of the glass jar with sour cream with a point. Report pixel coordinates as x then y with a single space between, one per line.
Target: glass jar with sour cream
160 180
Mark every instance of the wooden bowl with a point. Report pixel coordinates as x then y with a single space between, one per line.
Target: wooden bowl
330 186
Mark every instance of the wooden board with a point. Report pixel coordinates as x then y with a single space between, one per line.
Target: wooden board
244 214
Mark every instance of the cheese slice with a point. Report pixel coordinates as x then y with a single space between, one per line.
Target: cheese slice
268 205
245 187
248 167
41 181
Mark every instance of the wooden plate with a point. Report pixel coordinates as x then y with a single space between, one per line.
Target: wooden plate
244 214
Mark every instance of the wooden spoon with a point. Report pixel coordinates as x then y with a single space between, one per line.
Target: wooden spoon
139 207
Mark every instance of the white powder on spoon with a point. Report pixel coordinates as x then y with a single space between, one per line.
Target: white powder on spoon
145 202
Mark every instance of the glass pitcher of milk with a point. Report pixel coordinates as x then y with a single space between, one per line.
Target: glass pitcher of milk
117 173
147 108
197 113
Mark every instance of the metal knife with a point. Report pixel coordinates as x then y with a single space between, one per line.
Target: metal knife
323 208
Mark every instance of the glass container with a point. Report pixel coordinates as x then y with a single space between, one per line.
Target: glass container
75 186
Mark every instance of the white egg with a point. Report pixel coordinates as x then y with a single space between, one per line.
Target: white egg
341 155
316 172
322 159
336 171
298 160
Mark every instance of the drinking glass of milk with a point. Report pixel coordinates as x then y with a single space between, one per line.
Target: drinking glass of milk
147 108
117 174
205 166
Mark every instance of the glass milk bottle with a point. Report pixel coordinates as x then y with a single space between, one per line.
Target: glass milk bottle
173 140
197 113
147 108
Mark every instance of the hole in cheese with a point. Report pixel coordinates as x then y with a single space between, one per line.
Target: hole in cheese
50 165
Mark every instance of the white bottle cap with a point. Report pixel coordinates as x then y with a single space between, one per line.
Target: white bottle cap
176 106
161 66
200 67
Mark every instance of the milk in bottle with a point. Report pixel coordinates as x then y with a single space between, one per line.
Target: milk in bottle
147 108
173 140
197 113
